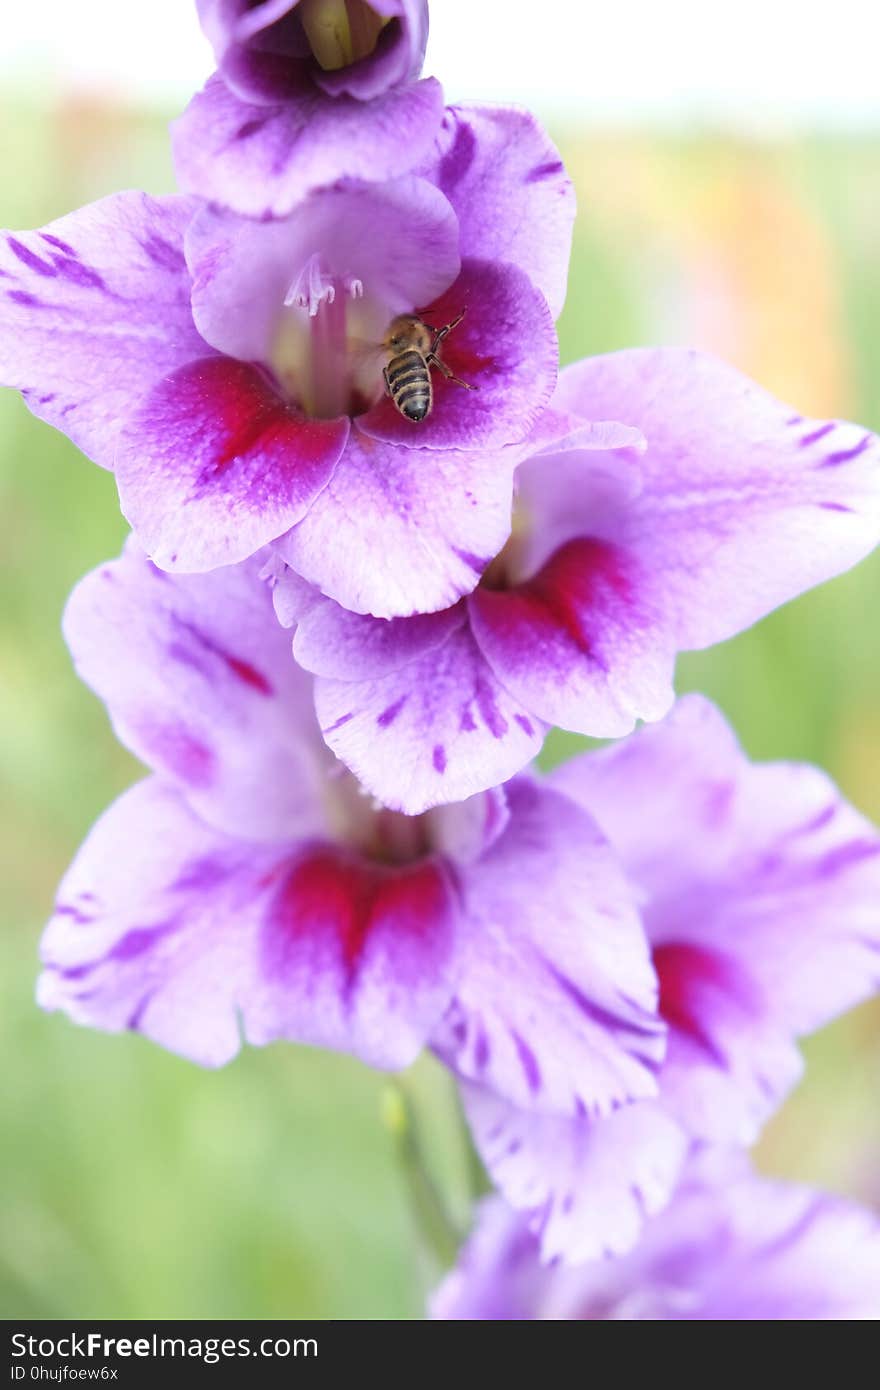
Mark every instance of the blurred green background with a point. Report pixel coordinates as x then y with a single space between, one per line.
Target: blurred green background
136 1185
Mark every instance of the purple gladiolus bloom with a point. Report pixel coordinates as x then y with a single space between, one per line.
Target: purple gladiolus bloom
708 506
274 50
731 1247
228 369
759 889
249 890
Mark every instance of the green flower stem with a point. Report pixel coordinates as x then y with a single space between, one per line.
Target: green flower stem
439 1232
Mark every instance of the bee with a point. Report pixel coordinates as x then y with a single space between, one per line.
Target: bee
412 346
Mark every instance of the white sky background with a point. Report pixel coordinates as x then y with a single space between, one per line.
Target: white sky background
753 64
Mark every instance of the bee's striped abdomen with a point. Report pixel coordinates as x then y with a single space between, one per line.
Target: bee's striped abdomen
409 382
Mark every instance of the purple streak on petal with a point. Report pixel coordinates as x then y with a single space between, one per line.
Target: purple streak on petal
76 914
163 253
458 158
477 562
525 724
136 1017
57 242
845 455
28 258
489 712
846 855
249 128
201 875
177 748
544 171
242 670
80 274
24 297
649 1027
528 1061
820 819
438 757
389 715
338 723
835 507
815 435
140 939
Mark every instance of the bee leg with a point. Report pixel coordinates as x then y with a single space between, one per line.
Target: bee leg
440 333
434 361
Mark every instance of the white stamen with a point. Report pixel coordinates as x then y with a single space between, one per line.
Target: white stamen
312 287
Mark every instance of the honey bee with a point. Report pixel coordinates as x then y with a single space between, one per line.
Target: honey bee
412 346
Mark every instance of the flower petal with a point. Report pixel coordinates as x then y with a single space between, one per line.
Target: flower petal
214 465
331 641
498 1276
464 831
761 898
587 1188
556 1005
93 310
155 927
403 530
200 684
438 729
177 931
744 504
264 160
505 346
579 642
508 185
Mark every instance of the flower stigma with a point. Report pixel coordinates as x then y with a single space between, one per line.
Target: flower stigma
340 32
319 353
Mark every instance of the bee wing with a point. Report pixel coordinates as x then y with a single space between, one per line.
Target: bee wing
367 360
365 352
